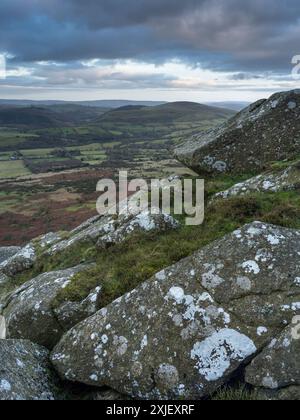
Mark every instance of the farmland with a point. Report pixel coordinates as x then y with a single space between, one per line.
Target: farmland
51 161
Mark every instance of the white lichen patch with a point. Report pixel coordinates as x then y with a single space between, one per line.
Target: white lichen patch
251 267
215 355
261 331
210 279
5 386
269 382
177 294
244 283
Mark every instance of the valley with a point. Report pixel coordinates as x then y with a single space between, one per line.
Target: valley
52 156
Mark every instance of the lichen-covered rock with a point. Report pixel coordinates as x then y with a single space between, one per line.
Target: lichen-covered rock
30 313
94 230
26 373
21 261
7 252
185 332
71 313
109 230
143 222
2 328
49 239
278 366
266 131
287 180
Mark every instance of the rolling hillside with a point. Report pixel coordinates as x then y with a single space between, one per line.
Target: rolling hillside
169 113
60 115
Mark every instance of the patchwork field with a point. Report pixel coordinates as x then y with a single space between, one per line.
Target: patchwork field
50 163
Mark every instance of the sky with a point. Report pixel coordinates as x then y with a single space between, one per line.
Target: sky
167 50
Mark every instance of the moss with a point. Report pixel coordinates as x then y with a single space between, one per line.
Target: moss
284 164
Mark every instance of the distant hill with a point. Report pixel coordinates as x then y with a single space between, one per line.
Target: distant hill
98 104
48 116
165 114
30 117
234 105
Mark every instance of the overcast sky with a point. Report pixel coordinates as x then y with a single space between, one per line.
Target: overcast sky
198 50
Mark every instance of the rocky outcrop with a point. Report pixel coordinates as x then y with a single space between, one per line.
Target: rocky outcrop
26 373
265 132
8 252
30 312
287 180
186 331
109 230
143 222
277 368
21 261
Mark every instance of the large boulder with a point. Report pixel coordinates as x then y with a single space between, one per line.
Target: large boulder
143 222
30 311
26 373
7 252
278 366
19 262
109 230
267 131
286 180
188 329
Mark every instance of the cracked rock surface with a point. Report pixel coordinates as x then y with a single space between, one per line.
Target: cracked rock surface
26 373
30 313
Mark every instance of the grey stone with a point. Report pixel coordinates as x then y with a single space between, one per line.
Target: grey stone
286 180
26 373
278 366
266 131
30 313
7 252
21 261
143 222
186 331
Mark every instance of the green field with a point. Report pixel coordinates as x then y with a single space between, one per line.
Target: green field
13 169
13 138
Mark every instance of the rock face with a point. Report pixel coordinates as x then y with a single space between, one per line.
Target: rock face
8 252
26 373
109 230
142 222
30 312
185 332
267 131
278 366
2 328
287 180
22 260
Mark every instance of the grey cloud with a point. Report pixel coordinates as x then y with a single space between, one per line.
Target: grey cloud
228 35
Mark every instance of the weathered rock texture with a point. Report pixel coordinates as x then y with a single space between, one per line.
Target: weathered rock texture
21 261
26 373
266 131
287 180
109 230
186 331
8 252
278 366
30 312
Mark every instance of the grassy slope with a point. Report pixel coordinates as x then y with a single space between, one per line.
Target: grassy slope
123 267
